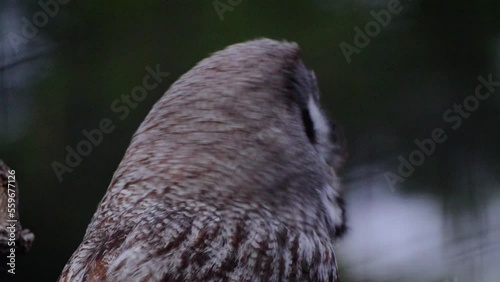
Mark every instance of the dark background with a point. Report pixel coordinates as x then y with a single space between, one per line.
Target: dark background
441 224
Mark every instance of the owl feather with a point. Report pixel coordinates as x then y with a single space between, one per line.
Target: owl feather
231 177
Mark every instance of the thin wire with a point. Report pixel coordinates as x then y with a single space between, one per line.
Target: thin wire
32 56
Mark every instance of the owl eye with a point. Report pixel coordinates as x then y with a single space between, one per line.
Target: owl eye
308 126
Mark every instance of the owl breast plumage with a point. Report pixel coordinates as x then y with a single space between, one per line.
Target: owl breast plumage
231 177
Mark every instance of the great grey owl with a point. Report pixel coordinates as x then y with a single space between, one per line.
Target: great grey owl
231 177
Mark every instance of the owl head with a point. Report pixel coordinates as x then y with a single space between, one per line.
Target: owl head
243 129
231 176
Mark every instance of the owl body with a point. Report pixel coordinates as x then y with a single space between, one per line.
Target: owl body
231 177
